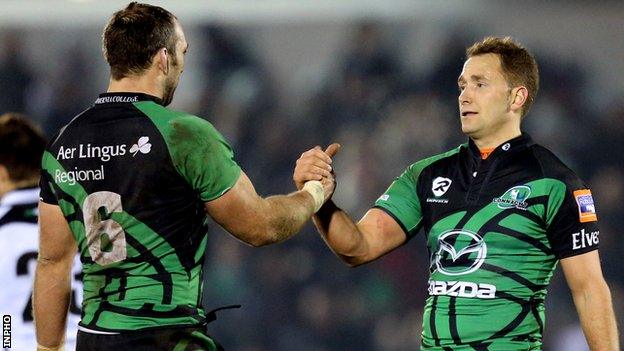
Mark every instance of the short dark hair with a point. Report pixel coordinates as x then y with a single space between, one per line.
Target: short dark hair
519 66
134 35
21 146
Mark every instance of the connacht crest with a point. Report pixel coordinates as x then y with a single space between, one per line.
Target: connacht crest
514 197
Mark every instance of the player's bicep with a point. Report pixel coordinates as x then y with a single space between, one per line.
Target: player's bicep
582 271
381 232
56 242
239 210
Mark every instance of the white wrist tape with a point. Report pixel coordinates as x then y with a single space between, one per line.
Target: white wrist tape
315 188
44 348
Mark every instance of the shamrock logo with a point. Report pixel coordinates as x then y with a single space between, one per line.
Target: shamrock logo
142 145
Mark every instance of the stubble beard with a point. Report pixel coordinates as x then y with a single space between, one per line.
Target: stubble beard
168 91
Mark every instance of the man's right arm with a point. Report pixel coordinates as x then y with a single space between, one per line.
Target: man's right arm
52 287
376 234
373 236
261 221
205 160
592 299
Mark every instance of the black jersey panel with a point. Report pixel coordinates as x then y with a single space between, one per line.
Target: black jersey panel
574 229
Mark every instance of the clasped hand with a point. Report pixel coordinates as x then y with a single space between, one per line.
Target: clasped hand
315 164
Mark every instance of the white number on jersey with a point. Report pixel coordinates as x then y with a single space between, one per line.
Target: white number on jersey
105 237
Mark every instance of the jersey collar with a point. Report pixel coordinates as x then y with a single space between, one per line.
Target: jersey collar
510 146
125 97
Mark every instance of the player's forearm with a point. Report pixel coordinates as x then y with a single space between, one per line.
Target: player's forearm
51 296
285 216
340 233
595 310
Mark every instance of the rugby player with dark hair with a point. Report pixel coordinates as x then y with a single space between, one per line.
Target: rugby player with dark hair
21 146
128 183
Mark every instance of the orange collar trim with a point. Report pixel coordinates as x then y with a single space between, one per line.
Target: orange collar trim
486 152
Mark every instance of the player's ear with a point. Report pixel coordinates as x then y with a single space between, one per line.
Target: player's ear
162 60
519 96
5 179
4 173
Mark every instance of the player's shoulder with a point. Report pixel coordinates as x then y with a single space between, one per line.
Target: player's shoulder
186 135
416 168
18 229
191 123
553 167
20 206
22 213
68 131
173 121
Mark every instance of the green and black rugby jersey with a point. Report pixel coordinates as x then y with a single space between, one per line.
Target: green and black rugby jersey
495 230
131 177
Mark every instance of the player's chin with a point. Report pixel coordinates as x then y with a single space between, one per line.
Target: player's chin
467 127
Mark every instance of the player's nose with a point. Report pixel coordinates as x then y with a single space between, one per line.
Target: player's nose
465 97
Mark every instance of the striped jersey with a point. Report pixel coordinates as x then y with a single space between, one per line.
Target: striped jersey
19 243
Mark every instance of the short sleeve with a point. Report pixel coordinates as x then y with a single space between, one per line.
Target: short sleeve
203 157
573 228
198 151
46 188
401 202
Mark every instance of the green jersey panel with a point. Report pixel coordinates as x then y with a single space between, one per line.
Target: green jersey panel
401 200
199 152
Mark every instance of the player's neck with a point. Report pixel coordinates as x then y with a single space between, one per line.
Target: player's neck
137 84
492 141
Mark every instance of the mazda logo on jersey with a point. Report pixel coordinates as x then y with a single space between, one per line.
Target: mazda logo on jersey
440 186
459 252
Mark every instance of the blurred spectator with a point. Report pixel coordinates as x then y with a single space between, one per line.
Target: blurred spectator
443 77
15 75
237 96
367 78
70 92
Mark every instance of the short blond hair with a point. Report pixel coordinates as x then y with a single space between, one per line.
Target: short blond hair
519 66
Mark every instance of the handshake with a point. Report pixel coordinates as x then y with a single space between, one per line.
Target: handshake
314 173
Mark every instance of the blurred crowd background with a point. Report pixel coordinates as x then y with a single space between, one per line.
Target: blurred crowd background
382 83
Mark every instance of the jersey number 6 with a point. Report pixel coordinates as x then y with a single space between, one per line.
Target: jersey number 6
105 237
